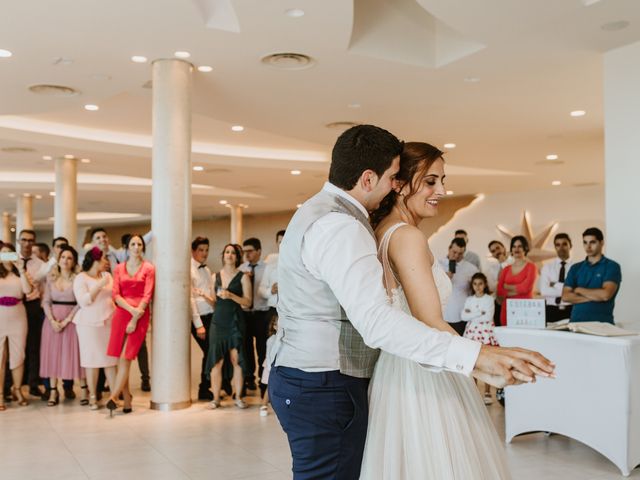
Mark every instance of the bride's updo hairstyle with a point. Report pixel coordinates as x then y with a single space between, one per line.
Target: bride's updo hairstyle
415 161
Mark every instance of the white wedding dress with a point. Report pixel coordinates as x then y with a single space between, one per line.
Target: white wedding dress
425 424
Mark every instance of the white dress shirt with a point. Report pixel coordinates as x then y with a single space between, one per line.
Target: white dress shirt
259 303
338 250
202 280
493 270
268 279
461 283
549 274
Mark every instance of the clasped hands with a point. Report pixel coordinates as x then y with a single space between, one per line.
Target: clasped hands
136 313
502 366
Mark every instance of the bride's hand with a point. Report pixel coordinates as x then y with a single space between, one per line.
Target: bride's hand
515 365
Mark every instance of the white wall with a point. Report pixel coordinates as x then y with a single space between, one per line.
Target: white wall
622 172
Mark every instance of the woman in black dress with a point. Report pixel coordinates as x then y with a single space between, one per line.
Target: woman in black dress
233 291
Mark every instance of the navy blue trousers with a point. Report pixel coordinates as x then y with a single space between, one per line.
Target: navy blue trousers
324 415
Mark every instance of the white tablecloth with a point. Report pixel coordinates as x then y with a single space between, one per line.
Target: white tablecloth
595 399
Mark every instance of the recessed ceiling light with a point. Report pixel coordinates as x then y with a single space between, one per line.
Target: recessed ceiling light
85 160
555 183
47 157
13 229
38 197
471 79
198 168
449 192
615 26
295 172
205 68
354 105
552 156
69 156
298 205
91 107
288 61
449 145
223 202
182 54
52 194
139 59
12 195
294 13
5 53
237 128
578 113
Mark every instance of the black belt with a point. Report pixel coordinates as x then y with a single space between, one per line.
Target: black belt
56 302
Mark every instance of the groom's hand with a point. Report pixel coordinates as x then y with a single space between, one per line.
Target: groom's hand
515 365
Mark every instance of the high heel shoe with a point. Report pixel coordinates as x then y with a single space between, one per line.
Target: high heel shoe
84 401
17 395
128 409
54 398
111 405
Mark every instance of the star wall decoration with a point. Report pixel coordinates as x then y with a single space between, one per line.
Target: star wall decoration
537 252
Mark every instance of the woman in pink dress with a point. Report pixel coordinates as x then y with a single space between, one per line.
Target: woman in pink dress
516 280
59 348
14 285
132 292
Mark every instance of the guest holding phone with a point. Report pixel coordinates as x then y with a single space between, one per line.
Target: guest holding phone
14 285
233 291
133 286
518 279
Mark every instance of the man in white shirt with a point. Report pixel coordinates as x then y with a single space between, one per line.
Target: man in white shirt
257 316
552 278
471 257
502 261
460 272
202 302
268 288
333 314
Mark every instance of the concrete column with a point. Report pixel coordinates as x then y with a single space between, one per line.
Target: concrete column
236 224
24 213
6 227
171 225
65 203
622 169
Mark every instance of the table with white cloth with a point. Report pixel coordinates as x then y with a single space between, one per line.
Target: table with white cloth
595 398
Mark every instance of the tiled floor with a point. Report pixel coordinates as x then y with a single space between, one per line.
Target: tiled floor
70 442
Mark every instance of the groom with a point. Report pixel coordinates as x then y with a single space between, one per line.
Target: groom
334 315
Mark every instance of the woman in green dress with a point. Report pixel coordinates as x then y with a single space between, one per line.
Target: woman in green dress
233 291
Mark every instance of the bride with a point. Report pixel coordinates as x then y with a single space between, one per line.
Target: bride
423 424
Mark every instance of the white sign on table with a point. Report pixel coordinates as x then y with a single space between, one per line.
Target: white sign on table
525 313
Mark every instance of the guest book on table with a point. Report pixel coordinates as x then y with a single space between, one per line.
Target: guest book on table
601 329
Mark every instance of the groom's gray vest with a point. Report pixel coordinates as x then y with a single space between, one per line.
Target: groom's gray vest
312 326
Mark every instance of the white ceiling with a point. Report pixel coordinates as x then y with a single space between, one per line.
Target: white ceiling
404 62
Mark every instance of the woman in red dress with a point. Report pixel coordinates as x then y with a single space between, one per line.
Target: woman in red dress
133 283
516 280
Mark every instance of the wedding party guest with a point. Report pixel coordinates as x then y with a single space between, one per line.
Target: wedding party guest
42 251
202 302
100 238
257 315
264 380
460 272
478 313
518 279
226 336
502 260
552 277
268 289
592 285
14 285
59 351
133 284
35 314
93 290
469 256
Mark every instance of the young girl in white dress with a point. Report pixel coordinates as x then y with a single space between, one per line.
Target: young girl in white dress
478 313
423 423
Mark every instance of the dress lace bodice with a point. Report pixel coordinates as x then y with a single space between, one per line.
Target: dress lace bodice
394 289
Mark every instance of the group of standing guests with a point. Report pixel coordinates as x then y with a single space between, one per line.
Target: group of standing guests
233 314
67 323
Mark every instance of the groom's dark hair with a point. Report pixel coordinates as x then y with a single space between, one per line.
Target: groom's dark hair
363 147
